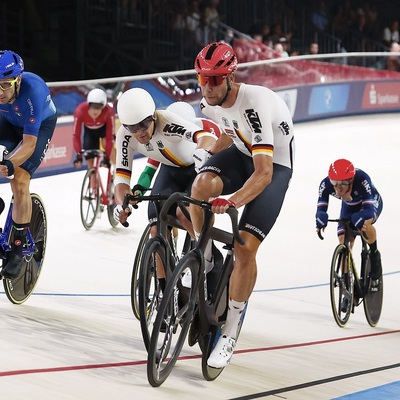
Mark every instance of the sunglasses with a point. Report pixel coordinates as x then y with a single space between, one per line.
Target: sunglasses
96 106
141 126
8 84
340 183
214 80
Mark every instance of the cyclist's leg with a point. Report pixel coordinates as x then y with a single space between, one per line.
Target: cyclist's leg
255 226
90 141
364 220
22 209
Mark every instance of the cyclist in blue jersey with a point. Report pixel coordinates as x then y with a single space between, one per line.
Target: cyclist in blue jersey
27 122
361 202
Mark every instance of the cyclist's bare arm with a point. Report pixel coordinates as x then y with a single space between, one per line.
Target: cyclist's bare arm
257 182
223 142
206 142
24 151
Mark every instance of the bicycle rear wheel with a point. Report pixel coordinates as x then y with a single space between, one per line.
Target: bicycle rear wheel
341 286
172 322
136 271
150 295
90 199
111 205
18 290
372 300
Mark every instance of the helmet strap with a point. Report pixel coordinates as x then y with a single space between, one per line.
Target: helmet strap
227 91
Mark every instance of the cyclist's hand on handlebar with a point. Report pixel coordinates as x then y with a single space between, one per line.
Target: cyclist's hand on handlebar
7 169
134 204
78 160
321 220
220 205
120 214
3 152
106 162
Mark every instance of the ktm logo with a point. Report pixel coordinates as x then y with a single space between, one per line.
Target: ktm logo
284 127
174 129
253 120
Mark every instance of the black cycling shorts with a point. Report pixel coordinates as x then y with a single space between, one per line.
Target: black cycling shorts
235 168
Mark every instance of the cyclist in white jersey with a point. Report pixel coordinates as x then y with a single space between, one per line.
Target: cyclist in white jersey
186 111
256 170
178 144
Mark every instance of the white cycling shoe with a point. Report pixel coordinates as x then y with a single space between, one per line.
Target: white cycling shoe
222 353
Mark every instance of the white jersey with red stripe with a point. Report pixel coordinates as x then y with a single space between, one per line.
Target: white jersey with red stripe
173 142
259 123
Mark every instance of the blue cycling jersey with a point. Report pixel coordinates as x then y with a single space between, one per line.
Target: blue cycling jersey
363 192
32 106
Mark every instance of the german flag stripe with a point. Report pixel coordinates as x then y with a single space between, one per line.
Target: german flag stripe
262 149
242 138
123 173
169 156
197 135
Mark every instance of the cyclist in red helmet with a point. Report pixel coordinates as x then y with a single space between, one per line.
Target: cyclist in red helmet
361 202
252 162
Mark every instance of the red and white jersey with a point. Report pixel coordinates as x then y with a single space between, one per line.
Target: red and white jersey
173 143
83 119
259 123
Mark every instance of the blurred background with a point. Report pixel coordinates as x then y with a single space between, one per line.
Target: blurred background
325 58
87 39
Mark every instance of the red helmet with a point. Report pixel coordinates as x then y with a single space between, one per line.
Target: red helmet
341 170
216 58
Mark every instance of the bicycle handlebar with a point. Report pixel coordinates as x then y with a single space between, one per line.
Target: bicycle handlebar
346 223
92 152
181 197
138 198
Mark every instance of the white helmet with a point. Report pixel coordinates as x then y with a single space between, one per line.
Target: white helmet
183 109
134 106
97 96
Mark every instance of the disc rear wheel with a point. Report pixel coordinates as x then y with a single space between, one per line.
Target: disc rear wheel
372 300
18 290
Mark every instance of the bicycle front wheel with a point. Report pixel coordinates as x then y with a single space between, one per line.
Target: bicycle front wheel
90 199
372 300
18 290
154 258
136 271
341 286
172 323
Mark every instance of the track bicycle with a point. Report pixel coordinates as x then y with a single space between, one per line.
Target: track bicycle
348 289
95 196
19 289
153 253
200 314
